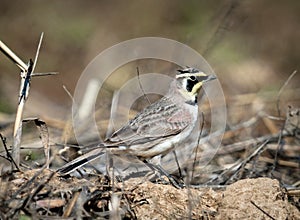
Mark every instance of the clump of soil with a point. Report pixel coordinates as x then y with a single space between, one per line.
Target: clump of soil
260 198
167 202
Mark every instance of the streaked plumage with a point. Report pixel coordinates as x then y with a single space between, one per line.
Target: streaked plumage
156 129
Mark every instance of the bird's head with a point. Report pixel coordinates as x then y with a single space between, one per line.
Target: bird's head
189 81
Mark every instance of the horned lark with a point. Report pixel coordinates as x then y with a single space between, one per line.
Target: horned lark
159 127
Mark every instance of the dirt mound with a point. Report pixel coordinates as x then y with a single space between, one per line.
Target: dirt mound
261 198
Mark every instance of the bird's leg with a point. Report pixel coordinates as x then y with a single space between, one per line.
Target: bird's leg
110 169
178 166
159 169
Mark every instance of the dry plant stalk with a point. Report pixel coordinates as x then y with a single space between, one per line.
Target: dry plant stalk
26 74
24 88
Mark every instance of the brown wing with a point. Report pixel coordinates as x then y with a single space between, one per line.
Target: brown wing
159 120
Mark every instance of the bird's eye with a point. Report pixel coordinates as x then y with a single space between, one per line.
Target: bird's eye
193 78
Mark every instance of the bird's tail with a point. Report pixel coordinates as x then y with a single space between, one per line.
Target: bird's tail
80 161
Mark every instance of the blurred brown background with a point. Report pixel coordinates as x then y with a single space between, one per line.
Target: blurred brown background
253 46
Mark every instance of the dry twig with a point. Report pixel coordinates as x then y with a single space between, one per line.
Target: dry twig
263 211
26 74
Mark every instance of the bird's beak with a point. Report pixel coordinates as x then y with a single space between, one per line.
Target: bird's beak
210 77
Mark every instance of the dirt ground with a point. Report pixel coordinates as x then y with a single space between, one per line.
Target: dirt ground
42 194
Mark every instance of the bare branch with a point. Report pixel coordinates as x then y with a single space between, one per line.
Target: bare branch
13 57
44 74
37 52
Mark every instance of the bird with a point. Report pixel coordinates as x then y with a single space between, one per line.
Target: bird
160 126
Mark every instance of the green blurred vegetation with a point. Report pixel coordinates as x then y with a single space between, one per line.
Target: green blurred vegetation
5 107
234 36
